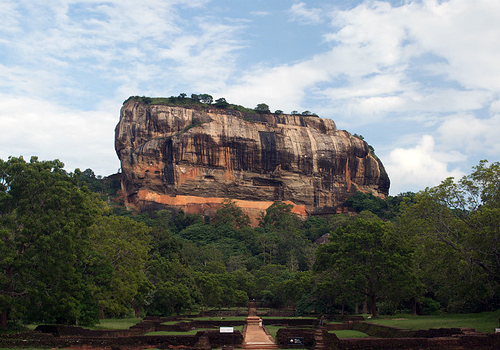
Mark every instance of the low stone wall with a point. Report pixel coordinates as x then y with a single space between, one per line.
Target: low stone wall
379 331
60 336
40 340
284 334
345 318
186 326
487 342
338 326
382 337
73 331
217 338
391 338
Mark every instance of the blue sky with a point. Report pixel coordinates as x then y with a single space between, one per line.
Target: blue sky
419 79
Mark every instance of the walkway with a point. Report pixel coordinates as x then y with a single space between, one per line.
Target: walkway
255 337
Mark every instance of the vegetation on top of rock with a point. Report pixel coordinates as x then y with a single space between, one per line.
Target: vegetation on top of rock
205 100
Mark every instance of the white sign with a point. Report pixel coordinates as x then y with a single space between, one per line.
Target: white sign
227 329
497 330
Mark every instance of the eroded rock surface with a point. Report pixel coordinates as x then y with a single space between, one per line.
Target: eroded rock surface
194 158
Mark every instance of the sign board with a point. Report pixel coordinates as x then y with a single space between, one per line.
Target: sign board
227 329
296 341
497 330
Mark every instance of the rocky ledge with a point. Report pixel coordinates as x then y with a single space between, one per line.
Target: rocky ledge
193 158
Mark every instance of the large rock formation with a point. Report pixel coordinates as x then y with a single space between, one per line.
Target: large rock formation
193 158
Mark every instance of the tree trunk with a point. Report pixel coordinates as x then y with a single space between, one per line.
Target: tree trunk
8 289
414 306
373 305
3 319
343 309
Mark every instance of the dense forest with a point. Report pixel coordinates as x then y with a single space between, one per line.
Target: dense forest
69 253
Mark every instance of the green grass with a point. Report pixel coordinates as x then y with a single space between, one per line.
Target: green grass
485 322
288 318
116 323
273 330
349 334
184 320
230 318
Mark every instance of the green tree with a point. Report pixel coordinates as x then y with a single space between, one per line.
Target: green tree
229 213
221 103
122 244
44 222
210 289
279 216
170 298
457 227
281 238
366 257
205 98
262 108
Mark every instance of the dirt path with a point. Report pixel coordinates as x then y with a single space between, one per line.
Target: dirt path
255 337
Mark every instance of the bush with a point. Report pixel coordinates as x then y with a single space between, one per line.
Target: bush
430 307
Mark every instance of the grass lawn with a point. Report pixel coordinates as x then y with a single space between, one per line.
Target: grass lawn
349 334
288 318
229 318
116 323
485 322
273 330
184 320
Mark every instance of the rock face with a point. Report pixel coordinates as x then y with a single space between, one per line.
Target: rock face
193 158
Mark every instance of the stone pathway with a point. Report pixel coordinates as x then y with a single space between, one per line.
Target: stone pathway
255 337
319 343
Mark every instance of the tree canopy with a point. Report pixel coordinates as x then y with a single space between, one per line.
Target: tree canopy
66 258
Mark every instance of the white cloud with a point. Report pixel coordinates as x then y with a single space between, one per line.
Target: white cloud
413 169
34 127
299 13
260 13
376 58
60 50
463 32
471 134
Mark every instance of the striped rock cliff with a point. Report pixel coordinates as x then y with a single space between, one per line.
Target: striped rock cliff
193 158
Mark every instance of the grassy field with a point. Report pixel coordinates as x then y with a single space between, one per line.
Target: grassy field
485 322
230 318
273 329
116 323
288 318
349 334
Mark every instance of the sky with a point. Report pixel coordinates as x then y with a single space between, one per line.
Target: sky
418 79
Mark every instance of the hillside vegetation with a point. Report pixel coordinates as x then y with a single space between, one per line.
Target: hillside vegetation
68 257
